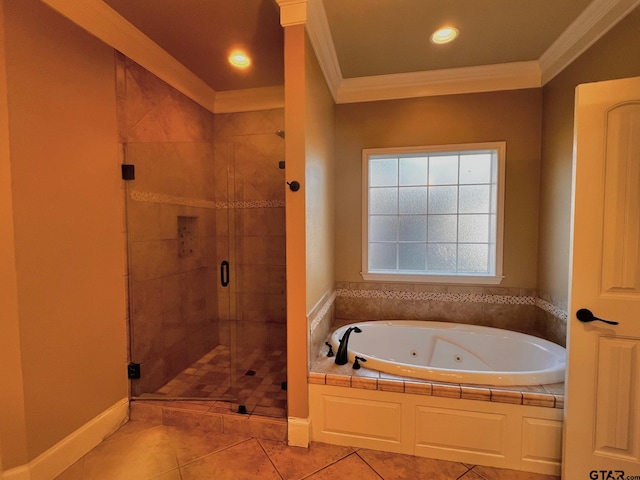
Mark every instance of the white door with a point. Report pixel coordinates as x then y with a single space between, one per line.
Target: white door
602 410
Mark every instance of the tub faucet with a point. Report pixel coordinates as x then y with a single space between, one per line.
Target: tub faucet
342 357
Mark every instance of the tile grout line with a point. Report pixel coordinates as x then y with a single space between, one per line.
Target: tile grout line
368 464
330 464
469 469
275 467
213 453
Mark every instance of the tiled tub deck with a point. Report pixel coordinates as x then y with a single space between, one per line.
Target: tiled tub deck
324 371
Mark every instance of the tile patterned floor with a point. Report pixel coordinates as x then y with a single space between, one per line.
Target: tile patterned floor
140 451
258 380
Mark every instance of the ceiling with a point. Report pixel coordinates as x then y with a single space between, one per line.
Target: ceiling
380 47
200 34
392 36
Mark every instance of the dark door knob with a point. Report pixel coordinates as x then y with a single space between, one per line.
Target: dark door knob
585 315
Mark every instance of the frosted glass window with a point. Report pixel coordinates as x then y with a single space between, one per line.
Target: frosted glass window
474 198
493 227
383 172
413 170
441 257
473 258
475 168
412 256
443 200
412 228
443 170
412 200
433 212
383 229
383 200
442 228
383 256
473 228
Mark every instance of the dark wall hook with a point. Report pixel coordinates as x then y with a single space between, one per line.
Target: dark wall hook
294 186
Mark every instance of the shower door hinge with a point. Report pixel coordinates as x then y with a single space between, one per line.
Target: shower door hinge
128 171
133 371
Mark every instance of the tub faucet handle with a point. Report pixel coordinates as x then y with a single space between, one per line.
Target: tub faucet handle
330 352
356 365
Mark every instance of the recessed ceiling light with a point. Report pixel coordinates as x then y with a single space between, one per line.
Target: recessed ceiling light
239 59
444 35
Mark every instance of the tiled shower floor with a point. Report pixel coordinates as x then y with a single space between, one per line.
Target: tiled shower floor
259 377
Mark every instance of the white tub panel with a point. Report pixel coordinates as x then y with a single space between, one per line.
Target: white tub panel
450 429
352 418
519 437
541 441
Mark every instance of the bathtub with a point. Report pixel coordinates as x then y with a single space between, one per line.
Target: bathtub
456 353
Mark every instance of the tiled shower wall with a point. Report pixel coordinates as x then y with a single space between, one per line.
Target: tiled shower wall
171 225
247 145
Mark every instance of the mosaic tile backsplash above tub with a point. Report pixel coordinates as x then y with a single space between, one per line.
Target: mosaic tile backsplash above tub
500 307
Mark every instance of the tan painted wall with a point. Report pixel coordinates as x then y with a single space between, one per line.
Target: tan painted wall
616 55
67 207
13 441
319 172
512 116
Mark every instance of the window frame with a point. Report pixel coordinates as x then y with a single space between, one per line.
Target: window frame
450 278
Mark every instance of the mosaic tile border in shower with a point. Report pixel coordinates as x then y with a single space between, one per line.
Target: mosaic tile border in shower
152 197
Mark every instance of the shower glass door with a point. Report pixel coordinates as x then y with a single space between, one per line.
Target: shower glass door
206 242
178 235
258 283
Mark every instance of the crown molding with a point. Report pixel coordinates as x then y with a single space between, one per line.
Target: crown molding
292 12
485 78
249 100
322 42
596 20
100 20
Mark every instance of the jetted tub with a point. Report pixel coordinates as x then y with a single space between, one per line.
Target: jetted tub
453 352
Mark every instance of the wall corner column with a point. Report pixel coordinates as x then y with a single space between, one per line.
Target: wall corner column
293 17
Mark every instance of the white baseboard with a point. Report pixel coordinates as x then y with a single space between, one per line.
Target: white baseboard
298 432
69 450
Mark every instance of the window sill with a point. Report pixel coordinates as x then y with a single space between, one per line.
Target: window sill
432 278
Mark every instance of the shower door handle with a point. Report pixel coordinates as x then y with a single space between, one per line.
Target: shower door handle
224 273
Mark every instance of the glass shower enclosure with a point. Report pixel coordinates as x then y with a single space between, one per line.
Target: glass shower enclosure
206 249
